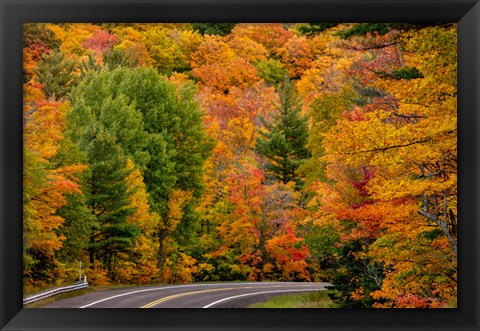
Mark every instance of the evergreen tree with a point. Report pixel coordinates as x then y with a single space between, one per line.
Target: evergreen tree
312 29
109 198
56 73
89 65
37 34
356 272
118 58
37 40
362 29
156 124
221 29
283 144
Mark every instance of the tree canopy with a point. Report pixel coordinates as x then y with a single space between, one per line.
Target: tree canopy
177 153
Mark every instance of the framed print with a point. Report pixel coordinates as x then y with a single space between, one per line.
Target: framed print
218 154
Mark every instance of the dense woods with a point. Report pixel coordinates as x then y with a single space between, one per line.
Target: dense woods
179 153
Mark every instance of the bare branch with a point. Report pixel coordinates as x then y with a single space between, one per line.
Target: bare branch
383 149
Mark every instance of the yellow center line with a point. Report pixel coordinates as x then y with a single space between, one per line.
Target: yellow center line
156 302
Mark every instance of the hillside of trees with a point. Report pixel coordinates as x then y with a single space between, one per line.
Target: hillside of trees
180 153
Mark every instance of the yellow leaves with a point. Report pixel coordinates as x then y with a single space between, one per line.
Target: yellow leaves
178 78
180 268
143 218
170 49
132 42
206 267
433 50
405 134
45 186
212 50
247 48
96 275
43 123
271 35
72 36
240 136
326 75
417 272
358 294
175 205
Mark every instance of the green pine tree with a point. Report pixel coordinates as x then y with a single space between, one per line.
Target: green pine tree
108 198
312 29
156 124
283 144
354 272
221 29
118 58
56 73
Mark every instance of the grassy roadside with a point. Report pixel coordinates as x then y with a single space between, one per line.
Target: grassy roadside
66 295
305 300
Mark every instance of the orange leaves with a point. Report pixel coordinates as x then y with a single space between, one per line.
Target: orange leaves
329 70
271 35
297 55
289 259
247 48
263 217
251 102
222 76
45 184
218 67
43 123
212 50
46 199
404 130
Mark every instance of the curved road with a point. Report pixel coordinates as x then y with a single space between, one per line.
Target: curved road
215 295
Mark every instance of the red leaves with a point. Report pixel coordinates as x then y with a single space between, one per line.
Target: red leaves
410 300
101 41
361 185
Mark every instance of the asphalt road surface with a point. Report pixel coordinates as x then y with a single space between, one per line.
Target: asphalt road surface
215 295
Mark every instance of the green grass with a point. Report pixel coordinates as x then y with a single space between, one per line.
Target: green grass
305 300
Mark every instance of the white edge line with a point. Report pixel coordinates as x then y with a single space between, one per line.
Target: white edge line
255 293
170 287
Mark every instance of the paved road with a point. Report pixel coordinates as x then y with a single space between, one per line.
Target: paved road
217 295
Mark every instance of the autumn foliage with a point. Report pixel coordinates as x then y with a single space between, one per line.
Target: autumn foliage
179 153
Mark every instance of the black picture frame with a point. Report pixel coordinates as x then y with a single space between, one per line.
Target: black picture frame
14 13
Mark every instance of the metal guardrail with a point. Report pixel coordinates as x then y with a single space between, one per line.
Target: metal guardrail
50 293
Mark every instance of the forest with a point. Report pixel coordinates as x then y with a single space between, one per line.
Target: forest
178 153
